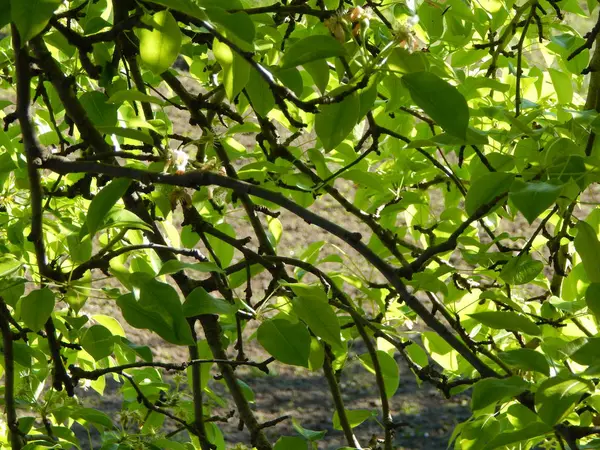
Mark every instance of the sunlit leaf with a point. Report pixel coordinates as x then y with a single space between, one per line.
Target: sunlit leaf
104 201
309 49
440 100
160 46
98 341
486 189
335 122
36 308
319 317
557 396
389 370
521 270
32 16
200 302
534 198
355 417
588 248
489 391
507 320
526 359
286 341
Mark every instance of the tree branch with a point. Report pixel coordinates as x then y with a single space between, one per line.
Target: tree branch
196 179
16 438
336 394
81 374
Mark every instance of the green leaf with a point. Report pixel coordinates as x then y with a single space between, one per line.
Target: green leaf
569 167
91 415
22 354
507 438
111 323
487 188
562 86
223 250
364 179
588 248
129 133
247 391
320 318
236 71
122 218
7 164
287 342
80 249
534 198
238 24
588 354
440 100
188 7
466 57
317 355
309 435
104 201
260 94
139 317
189 238
160 46
526 359
367 97
389 370
507 320
319 71
336 121
98 341
441 352
32 16
290 443
163 298
12 289
311 48
557 397
402 61
159 310
5 13
491 390
355 417
132 96
241 277
36 308
291 78
8 265
99 111
397 93
431 20
417 355
275 230
592 299
521 270
200 302
174 266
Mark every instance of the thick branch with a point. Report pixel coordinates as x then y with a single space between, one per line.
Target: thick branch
336 394
16 439
33 152
80 374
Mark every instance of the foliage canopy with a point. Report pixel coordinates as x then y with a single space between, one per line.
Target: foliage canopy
458 137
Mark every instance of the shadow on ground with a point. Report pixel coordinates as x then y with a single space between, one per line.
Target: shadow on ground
427 418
